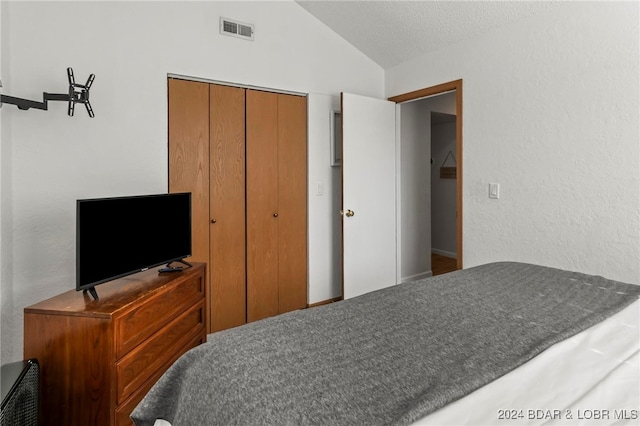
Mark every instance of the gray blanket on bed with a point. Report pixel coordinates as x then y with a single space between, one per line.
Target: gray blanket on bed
388 357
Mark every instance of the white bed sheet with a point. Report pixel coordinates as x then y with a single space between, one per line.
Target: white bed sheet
592 378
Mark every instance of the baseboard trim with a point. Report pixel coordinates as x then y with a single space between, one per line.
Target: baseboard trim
416 277
444 253
324 302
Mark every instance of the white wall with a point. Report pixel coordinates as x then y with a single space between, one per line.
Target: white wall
2 183
550 109
325 202
131 46
415 191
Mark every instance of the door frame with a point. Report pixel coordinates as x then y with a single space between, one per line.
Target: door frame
438 90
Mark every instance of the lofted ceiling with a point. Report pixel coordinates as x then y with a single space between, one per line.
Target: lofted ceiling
393 31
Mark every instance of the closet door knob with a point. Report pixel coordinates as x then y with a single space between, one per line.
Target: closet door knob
275 215
213 221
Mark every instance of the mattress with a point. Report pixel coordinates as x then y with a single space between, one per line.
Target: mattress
592 378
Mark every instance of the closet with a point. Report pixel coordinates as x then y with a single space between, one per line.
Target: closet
242 153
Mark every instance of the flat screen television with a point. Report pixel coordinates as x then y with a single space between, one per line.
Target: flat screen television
119 236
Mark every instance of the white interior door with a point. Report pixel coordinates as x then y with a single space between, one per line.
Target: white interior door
368 194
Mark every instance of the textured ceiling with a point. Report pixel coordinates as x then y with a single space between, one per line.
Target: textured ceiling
392 32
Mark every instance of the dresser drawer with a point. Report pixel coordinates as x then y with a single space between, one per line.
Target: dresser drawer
147 359
138 324
123 412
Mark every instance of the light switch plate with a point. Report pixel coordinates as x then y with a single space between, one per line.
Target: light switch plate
494 190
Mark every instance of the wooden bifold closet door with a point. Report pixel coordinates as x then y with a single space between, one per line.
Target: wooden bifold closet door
276 204
227 206
243 155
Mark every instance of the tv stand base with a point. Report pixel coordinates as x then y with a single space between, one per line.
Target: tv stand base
92 291
169 268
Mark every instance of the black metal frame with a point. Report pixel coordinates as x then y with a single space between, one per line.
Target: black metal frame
78 94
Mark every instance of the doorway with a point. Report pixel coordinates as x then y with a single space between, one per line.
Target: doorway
427 190
373 189
454 87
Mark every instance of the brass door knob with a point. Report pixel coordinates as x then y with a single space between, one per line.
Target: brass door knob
348 213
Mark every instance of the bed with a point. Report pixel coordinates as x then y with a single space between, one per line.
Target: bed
503 343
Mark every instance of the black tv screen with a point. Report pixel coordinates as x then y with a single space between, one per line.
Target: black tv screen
120 236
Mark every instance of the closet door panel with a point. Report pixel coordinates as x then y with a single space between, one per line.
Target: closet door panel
262 207
189 156
292 200
227 206
188 119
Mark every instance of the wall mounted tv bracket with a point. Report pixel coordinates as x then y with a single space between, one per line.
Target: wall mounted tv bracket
78 94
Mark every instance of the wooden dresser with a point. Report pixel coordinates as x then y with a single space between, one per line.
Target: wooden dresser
99 358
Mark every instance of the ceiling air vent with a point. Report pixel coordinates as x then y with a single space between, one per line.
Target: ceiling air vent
236 29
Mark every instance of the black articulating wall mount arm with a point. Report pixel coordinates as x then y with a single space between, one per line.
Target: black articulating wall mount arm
78 94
